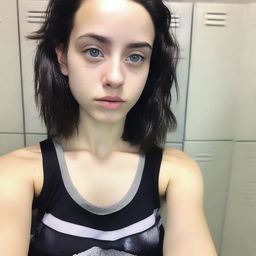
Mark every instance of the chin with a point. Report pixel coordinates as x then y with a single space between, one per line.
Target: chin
110 118
111 121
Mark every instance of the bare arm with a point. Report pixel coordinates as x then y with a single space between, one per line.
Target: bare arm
16 195
187 232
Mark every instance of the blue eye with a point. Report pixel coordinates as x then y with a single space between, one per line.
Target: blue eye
93 52
136 58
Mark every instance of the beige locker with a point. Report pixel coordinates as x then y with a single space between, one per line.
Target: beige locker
246 116
240 223
217 37
11 112
181 27
10 142
32 139
31 15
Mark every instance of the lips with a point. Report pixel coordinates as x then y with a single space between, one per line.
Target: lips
110 99
110 102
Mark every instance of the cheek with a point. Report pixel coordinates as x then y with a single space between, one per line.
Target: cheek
79 87
137 91
81 80
143 79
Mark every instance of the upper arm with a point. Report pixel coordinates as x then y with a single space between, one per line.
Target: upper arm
16 195
187 231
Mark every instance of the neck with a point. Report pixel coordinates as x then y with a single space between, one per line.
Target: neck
101 139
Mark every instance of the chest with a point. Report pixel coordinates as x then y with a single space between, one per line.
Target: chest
103 182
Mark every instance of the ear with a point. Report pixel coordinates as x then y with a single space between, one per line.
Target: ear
62 59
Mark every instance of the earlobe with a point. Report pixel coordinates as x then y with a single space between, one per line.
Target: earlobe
62 59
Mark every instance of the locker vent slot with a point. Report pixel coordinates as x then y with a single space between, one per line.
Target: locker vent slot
36 16
253 20
175 20
251 155
205 157
216 19
249 193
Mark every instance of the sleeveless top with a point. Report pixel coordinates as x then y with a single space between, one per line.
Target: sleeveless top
68 225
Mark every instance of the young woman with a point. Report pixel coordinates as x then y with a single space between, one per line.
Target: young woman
103 73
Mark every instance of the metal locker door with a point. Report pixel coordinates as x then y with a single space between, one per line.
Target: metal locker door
31 15
240 224
11 114
246 117
181 27
32 139
10 142
11 110
217 37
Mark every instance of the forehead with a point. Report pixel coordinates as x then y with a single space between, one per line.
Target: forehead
114 18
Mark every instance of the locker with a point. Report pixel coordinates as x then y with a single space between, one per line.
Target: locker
32 139
11 112
10 142
246 120
214 159
31 15
181 27
240 226
218 31
179 108
181 24
178 146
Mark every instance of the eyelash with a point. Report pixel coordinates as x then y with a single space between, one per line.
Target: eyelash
87 52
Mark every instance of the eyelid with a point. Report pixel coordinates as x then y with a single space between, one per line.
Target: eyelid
136 52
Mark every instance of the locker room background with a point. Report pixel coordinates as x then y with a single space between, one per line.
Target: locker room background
216 111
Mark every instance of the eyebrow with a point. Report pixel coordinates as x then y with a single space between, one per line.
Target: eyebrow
106 41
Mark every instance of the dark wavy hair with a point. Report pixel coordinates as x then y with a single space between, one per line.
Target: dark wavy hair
148 122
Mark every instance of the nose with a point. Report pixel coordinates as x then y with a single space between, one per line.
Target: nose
113 73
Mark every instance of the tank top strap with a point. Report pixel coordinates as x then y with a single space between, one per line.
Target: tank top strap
152 170
52 177
158 153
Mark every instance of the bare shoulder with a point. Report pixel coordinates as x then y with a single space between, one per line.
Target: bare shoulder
178 161
17 171
21 162
177 166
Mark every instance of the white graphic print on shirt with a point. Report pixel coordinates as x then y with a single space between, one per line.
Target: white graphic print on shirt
100 252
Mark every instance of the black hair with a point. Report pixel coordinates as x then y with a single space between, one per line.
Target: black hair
148 122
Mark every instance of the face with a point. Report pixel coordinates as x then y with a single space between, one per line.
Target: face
108 57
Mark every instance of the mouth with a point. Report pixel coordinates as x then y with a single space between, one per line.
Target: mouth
110 102
110 99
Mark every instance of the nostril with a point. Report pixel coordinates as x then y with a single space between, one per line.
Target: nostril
114 75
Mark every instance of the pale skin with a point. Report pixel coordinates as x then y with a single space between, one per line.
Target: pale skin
114 68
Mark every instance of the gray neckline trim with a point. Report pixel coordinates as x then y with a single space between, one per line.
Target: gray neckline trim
76 196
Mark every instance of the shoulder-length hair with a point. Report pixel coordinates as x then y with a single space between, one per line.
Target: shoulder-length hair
148 122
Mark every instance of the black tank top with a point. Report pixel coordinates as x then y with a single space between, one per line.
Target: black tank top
68 225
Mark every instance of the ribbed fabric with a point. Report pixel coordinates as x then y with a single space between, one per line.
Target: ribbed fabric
69 225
